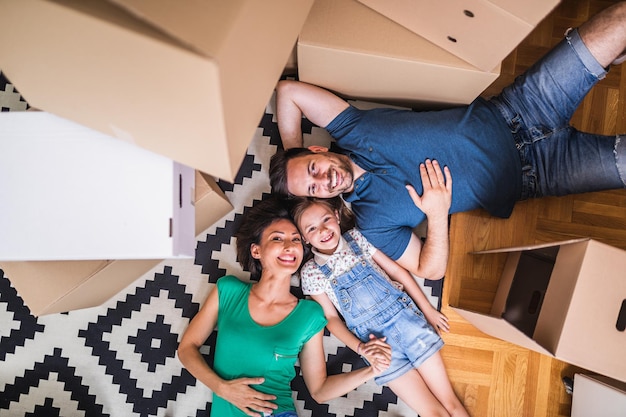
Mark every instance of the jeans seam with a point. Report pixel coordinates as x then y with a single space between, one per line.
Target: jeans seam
620 163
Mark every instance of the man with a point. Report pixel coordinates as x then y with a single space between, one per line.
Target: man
515 146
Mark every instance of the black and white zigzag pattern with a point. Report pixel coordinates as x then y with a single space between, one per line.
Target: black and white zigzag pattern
119 359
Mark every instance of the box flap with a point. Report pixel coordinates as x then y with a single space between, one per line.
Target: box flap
556 305
58 286
500 328
42 283
210 202
530 247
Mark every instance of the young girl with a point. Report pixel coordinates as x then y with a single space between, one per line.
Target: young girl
349 276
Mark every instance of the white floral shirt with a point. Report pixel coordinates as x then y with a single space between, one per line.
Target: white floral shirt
313 280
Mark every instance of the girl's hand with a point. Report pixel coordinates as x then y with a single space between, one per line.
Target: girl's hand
239 393
437 319
377 352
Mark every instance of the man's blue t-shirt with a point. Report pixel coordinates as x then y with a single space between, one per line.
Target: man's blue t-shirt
473 141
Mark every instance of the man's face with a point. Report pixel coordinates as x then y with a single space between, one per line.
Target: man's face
322 175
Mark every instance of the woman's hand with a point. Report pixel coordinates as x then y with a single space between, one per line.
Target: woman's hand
377 352
239 393
437 319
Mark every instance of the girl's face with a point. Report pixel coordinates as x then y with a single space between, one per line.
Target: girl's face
280 248
320 227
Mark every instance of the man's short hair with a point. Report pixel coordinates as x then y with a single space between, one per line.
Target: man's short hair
278 169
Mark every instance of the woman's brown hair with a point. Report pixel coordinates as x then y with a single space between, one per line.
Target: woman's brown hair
253 224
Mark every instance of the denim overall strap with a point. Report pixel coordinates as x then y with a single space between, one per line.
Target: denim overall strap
325 270
364 295
353 245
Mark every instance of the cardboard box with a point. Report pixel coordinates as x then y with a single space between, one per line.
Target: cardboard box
70 192
482 32
210 202
596 395
577 314
49 287
190 83
348 48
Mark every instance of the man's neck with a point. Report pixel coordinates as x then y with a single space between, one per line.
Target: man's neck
357 171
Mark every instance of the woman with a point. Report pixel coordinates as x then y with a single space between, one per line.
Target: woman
263 328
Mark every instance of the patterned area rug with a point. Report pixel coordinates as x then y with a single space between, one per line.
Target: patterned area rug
119 359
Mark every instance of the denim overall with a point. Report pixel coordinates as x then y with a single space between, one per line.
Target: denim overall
370 304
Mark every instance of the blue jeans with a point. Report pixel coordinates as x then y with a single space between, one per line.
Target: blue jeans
285 414
556 158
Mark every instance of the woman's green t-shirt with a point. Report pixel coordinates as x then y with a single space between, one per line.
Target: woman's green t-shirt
247 349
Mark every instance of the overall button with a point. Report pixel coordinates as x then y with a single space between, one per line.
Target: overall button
334 282
363 263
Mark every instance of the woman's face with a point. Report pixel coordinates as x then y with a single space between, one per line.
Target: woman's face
280 248
320 227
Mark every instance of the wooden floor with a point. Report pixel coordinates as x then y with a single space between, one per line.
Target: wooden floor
492 377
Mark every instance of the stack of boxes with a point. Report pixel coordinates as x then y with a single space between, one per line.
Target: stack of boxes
174 93
182 85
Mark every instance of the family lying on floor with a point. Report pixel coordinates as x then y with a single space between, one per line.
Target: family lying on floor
395 169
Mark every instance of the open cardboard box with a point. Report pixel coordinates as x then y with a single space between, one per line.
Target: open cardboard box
482 32
564 299
349 48
58 286
189 82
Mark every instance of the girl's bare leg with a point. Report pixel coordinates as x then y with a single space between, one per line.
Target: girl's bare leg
412 389
433 372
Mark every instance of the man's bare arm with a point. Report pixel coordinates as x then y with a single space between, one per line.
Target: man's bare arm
431 260
295 99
